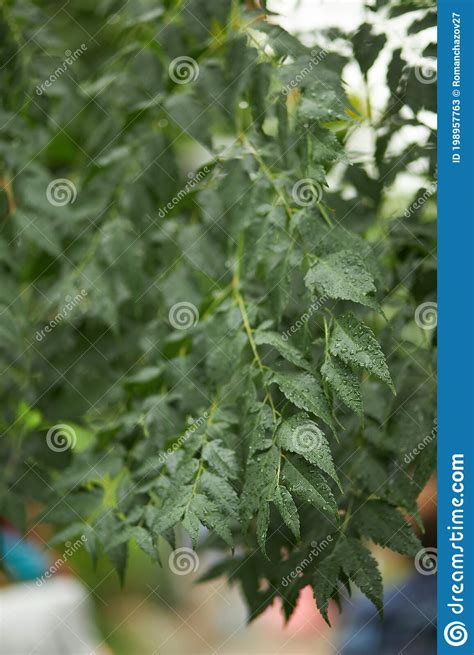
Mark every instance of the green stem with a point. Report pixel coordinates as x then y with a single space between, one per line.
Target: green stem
268 174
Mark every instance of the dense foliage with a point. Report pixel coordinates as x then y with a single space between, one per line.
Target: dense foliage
197 329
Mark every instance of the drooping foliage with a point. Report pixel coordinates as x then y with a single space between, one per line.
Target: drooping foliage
210 295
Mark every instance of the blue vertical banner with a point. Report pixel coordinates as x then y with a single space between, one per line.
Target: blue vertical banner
456 327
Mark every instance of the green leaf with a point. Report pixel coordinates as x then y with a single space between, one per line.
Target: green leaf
145 541
355 343
299 434
367 46
305 391
210 515
359 565
263 520
172 510
221 459
304 481
286 350
385 526
342 275
260 481
325 583
288 510
221 492
343 382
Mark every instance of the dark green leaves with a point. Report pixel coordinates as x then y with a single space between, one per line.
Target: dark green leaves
367 47
355 343
260 481
344 382
384 525
349 560
288 510
304 391
286 349
361 567
300 435
309 485
199 349
342 275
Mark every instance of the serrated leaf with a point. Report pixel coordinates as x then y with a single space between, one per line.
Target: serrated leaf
172 510
212 517
305 391
325 582
221 492
299 434
286 350
263 520
144 540
304 481
342 275
359 565
260 481
343 382
191 524
355 343
222 460
288 510
385 526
